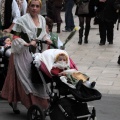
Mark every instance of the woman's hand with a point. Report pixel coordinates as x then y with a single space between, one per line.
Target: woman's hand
33 42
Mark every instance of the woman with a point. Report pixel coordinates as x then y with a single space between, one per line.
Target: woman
18 85
85 18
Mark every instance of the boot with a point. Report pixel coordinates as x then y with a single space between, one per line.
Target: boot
58 27
86 40
87 29
80 35
80 40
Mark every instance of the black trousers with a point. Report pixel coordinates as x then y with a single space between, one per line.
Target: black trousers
106 30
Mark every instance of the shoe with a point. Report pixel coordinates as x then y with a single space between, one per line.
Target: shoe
66 30
93 84
110 43
85 40
15 111
118 60
80 41
102 44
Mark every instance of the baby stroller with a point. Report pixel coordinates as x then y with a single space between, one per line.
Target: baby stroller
66 103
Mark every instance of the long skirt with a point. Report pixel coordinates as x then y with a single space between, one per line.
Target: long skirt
13 90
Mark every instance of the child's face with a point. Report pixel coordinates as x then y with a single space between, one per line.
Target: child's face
8 41
62 58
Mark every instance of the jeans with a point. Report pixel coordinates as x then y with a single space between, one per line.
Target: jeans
69 15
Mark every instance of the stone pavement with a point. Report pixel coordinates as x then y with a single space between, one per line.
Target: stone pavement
98 62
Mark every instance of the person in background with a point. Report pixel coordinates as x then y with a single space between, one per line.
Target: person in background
54 12
117 7
43 10
85 19
18 85
107 18
53 36
9 13
22 4
69 20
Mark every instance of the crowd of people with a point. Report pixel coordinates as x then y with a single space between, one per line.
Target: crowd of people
25 19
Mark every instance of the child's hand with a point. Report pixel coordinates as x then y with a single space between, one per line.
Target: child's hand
62 74
49 41
62 47
7 45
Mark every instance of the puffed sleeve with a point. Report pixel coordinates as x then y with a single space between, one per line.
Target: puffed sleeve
15 11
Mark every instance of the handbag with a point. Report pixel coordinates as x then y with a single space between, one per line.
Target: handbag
83 8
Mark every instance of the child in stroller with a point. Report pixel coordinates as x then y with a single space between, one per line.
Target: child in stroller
58 64
65 107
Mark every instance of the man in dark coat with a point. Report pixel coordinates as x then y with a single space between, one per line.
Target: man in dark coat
107 18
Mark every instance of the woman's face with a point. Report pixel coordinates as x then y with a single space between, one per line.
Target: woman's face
34 7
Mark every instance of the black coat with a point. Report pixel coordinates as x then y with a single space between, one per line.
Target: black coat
91 13
106 11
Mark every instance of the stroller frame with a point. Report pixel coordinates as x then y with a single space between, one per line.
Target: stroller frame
35 112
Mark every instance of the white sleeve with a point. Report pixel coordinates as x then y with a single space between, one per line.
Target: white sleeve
15 11
59 43
24 7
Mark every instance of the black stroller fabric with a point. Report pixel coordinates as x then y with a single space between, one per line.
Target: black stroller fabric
85 94
71 109
81 93
35 76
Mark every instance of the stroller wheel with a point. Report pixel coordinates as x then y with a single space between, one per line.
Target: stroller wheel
35 113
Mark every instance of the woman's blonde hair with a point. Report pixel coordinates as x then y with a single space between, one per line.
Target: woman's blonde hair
29 2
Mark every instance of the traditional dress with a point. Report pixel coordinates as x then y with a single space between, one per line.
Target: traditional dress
18 85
